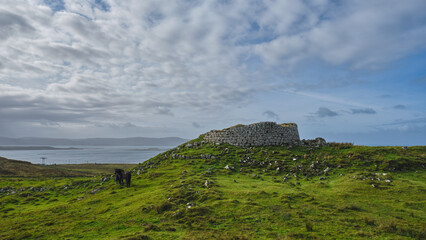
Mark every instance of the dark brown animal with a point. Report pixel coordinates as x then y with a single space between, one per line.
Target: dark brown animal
121 175
128 176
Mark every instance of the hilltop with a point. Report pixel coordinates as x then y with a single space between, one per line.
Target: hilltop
208 190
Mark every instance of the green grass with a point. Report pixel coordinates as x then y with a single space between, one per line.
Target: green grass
16 168
168 199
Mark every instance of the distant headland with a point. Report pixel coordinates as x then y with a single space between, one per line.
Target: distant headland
135 141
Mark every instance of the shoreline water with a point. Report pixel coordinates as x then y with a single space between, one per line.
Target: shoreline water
82 154
24 148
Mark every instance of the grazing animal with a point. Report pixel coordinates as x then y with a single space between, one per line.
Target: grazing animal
128 176
121 175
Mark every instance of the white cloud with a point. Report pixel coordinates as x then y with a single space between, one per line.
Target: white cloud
270 114
362 34
363 111
325 112
145 61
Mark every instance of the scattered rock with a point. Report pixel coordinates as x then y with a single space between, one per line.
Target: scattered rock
207 156
207 183
96 190
326 170
229 167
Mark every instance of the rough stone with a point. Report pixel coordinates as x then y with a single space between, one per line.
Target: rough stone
96 190
207 183
257 134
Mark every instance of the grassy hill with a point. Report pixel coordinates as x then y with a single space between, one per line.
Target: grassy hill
16 168
207 191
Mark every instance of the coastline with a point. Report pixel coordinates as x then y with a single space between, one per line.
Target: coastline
23 148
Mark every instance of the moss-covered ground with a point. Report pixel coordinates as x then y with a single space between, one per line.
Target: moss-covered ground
207 191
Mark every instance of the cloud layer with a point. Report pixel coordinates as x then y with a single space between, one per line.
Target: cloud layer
325 112
107 63
363 111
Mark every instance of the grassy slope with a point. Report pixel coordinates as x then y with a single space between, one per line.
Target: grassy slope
16 168
249 202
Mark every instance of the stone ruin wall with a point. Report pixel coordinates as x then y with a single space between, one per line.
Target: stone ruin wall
257 134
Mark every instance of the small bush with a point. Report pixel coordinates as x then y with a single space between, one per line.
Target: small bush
388 226
165 206
309 226
152 227
369 221
139 237
421 234
340 145
346 208
363 234
6 210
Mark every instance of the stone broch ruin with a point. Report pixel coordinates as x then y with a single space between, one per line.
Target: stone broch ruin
256 134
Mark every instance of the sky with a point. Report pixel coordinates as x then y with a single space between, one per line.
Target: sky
347 71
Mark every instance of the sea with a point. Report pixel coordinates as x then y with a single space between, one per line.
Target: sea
84 154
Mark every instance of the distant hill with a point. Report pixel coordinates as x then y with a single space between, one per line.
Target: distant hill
10 167
136 141
16 168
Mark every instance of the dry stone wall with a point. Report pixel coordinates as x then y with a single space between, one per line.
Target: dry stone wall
257 134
